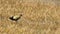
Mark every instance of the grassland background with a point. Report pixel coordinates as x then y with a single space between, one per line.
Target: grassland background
39 16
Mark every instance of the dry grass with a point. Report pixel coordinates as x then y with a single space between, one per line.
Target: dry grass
39 17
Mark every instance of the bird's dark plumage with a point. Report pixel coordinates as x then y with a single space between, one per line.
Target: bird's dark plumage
15 18
12 18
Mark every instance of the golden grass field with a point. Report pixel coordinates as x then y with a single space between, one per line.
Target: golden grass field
38 16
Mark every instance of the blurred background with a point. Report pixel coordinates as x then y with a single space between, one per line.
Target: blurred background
38 16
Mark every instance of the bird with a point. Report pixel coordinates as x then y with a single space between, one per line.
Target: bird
15 18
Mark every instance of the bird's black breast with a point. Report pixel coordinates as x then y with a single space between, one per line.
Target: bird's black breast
12 18
15 19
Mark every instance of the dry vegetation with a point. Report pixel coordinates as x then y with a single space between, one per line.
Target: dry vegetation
39 16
